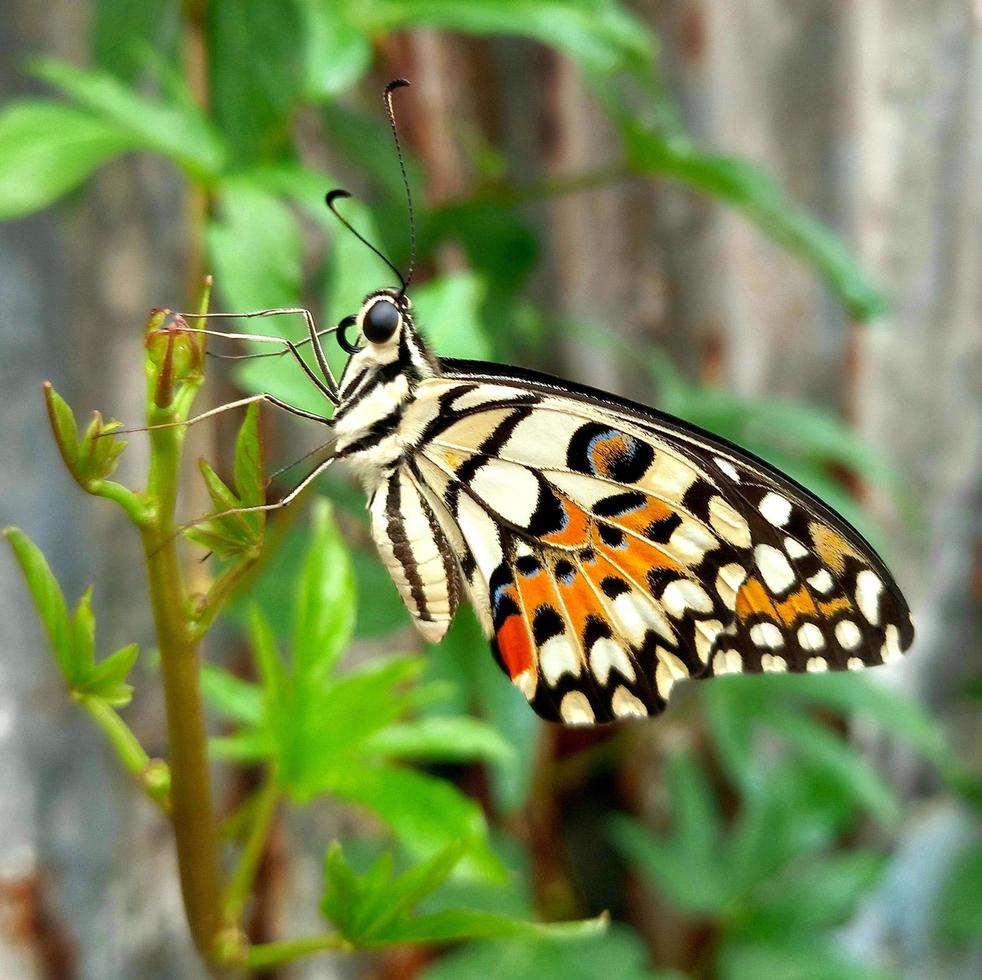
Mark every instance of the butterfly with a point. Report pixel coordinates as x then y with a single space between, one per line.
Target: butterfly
609 550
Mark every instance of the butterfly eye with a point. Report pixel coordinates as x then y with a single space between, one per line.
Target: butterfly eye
343 342
381 322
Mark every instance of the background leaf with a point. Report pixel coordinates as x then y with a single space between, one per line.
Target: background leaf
47 149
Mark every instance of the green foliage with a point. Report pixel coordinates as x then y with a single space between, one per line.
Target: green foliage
236 534
618 953
72 638
377 908
771 880
48 149
348 735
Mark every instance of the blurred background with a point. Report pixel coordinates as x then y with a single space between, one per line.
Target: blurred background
762 216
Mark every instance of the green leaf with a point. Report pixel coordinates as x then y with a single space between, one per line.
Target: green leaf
447 312
747 189
424 812
375 909
73 643
364 907
325 604
338 52
177 130
250 485
600 34
83 638
123 30
793 959
321 728
823 892
231 535
839 762
441 739
48 599
62 420
618 953
238 700
255 249
47 149
97 454
257 73
106 680
455 925
960 912
266 654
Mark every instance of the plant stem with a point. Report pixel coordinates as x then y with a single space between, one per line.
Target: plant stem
266 955
151 774
245 872
191 807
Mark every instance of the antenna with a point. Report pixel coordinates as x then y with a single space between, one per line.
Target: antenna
389 89
329 200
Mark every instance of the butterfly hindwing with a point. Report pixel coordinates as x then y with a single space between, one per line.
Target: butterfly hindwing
611 551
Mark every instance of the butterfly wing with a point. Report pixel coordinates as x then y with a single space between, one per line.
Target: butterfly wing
611 550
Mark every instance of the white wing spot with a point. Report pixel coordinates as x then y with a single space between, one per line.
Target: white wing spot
848 635
728 582
728 662
526 683
607 654
767 635
868 589
774 568
557 657
890 650
690 542
821 581
854 663
775 508
810 637
816 665
575 709
669 670
728 524
706 632
795 548
685 594
728 468
771 663
626 705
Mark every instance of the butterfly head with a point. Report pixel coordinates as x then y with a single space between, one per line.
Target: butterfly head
380 334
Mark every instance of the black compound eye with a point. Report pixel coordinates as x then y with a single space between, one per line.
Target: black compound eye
381 322
343 342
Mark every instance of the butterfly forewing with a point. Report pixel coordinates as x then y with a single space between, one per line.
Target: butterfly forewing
611 551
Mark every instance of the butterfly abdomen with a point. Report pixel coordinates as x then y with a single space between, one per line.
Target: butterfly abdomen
416 553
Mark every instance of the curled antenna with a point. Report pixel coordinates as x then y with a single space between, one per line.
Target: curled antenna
331 197
389 89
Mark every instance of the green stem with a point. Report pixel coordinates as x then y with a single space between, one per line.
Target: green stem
151 774
126 498
263 956
240 884
191 807
226 585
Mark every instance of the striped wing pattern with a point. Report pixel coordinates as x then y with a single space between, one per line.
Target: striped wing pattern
610 553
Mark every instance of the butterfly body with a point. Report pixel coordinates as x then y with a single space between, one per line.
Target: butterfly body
608 550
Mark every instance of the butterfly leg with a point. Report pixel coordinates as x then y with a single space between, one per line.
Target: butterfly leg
264 396
313 337
286 501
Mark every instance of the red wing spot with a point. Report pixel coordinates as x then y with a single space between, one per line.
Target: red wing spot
514 645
